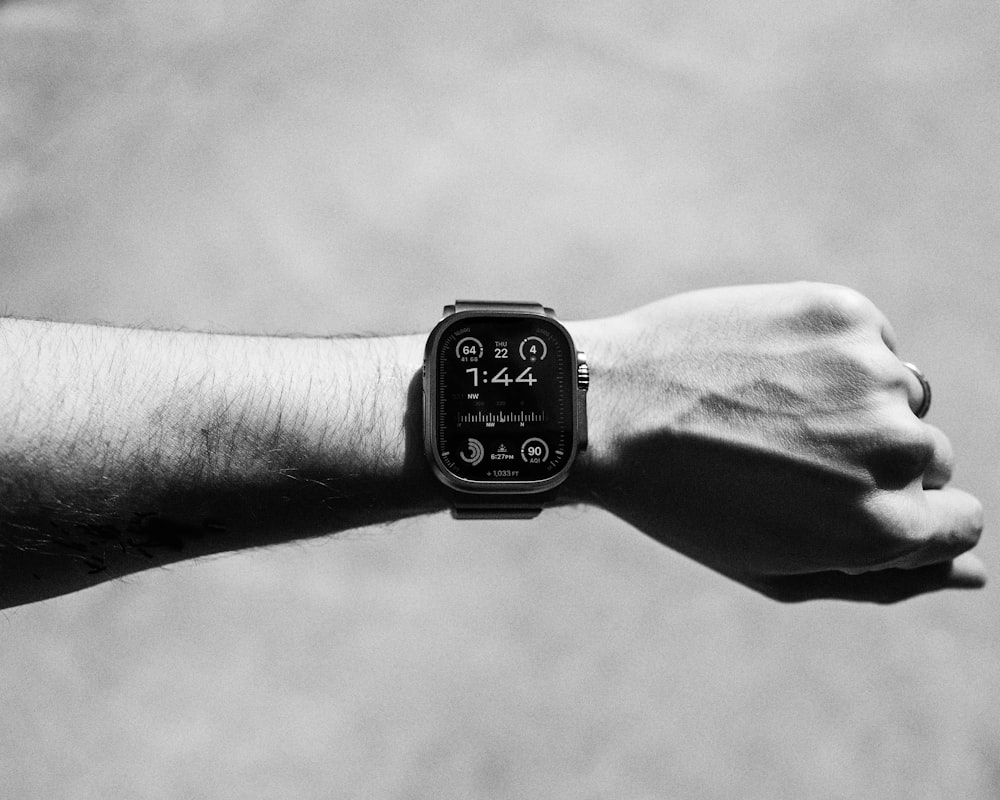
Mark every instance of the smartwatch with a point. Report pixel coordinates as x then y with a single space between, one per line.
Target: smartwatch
505 407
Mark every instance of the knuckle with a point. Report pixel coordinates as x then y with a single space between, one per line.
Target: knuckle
872 365
901 453
913 443
830 308
854 369
943 458
851 304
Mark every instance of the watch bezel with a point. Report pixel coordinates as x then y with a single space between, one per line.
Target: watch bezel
430 393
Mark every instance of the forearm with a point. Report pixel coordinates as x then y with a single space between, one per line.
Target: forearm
769 432
124 449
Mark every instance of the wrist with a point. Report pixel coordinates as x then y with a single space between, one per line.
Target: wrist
601 340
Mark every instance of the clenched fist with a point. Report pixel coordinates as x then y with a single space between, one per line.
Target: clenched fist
769 432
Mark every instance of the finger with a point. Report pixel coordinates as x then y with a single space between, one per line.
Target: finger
945 523
908 453
967 572
888 333
881 586
942 464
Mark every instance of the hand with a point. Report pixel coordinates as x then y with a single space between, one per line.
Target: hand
769 433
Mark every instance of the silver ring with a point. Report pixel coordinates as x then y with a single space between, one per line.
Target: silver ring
925 401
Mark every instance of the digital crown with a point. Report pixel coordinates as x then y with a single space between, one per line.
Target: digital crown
582 372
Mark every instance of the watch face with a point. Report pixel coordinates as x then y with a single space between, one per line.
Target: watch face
503 393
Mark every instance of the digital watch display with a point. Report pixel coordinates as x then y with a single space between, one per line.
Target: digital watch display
504 401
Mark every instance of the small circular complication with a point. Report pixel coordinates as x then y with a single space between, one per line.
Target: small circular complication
469 349
534 451
475 453
533 349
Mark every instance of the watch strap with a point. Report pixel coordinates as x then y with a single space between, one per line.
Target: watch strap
497 305
484 506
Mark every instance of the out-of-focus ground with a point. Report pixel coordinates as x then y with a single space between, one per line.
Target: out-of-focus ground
331 167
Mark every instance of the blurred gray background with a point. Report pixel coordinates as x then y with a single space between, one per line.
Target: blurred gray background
348 166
